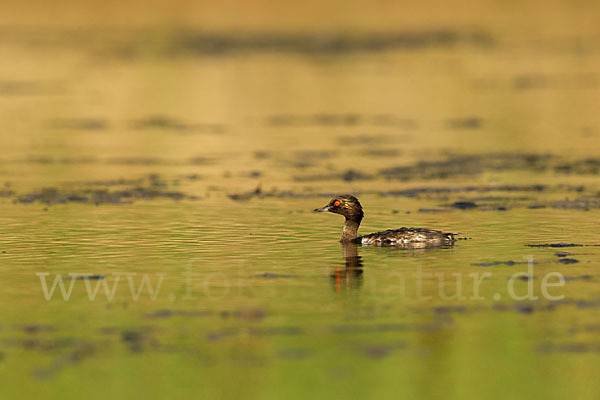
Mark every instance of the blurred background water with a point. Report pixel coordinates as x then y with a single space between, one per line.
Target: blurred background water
186 142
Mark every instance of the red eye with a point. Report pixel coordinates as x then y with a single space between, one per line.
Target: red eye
337 203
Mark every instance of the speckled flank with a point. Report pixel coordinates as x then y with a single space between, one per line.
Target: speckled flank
409 237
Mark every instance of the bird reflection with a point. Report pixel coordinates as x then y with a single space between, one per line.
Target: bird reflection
348 277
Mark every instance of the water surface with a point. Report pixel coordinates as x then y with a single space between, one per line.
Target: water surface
193 159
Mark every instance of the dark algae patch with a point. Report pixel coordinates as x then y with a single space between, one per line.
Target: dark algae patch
475 164
138 340
81 352
162 122
202 43
441 190
346 120
87 277
271 275
568 260
86 196
559 245
167 313
132 44
247 195
569 347
465 165
509 263
464 205
147 188
347 176
125 161
578 278
37 328
562 253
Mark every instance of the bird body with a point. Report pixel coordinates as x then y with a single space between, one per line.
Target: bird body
414 237
351 209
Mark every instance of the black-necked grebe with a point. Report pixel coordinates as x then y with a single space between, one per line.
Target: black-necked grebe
349 206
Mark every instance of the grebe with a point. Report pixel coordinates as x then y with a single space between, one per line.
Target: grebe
349 206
